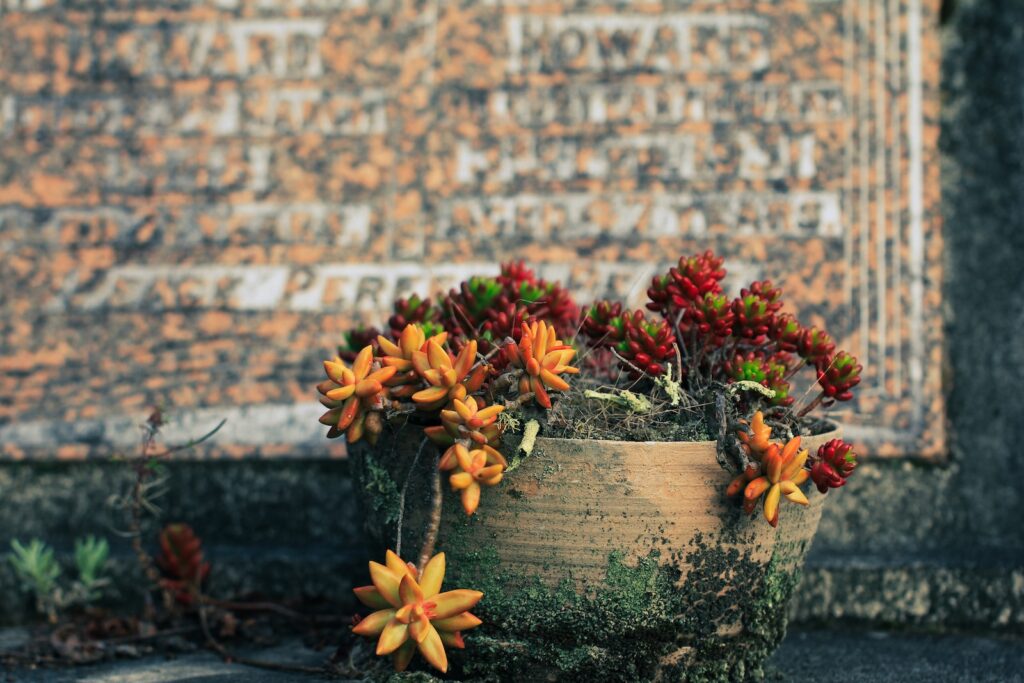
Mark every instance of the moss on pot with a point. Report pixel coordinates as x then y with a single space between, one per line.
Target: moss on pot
641 620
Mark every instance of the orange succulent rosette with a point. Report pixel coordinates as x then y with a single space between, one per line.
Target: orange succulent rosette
413 614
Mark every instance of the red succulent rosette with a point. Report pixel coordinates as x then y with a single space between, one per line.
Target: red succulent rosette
838 376
181 561
832 465
647 344
603 325
755 310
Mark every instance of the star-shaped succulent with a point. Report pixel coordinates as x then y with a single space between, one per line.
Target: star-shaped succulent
540 358
353 396
413 614
784 472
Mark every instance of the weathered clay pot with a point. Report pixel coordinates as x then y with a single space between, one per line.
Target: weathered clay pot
608 560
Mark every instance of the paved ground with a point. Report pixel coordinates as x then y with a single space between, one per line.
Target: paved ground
850 657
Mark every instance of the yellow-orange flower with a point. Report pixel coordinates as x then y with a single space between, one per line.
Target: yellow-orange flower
351 394
413 614
480 467
406 382
541 357
448 377
783 474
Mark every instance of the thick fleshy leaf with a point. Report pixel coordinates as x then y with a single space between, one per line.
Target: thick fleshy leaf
494 457
411 339
452 639
471 498
371 597
756 488
794 465
460 622
401 657
337 371
432 649
489 412
541 394
462 410
356 429
368 387
773 463
392 637
396 565
373 624
433 576
341 393
399 364
801 477
771 504
362 363
331 417
386 583
419 627
476 378
448 460
466 358
382 375
489 472
388 347
554 381
463 456
431 395
460 480
409 591
420 362
437 356
793 492
450 603
492 481
348 412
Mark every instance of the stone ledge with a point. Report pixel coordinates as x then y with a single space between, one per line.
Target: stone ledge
839 656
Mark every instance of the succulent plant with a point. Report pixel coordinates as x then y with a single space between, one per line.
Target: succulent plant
786 331
411 613
539 358
355 341
181 561
448 377
711 315
754 311
756 438
838 376
467 422
646 344
815 346
832 465
603 325
412 310
353 395
783 473
477 468
405 381
684 284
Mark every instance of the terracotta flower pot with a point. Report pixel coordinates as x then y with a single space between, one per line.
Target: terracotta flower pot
607 560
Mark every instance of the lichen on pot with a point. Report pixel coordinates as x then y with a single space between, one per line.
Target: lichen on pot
623 542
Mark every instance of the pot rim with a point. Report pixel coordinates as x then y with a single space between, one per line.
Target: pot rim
834 432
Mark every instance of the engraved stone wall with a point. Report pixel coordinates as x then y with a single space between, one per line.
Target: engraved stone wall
198 196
